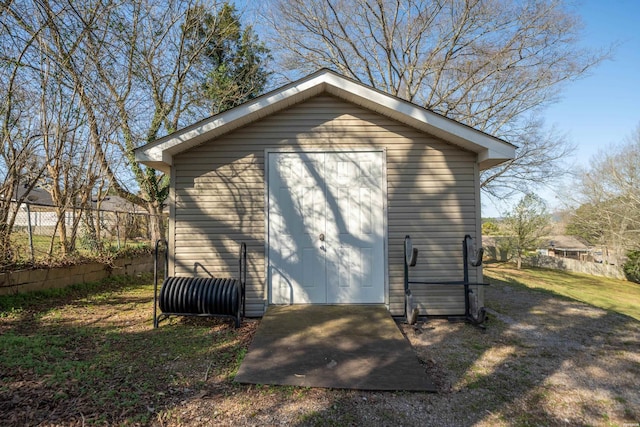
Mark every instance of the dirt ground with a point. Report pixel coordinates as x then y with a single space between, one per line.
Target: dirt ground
542 360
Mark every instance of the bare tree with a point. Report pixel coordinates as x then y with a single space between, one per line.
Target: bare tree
490 64
50 114
608 195
136 70
152 69
72 171
20 135
19 166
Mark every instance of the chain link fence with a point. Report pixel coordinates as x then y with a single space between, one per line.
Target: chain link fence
38 231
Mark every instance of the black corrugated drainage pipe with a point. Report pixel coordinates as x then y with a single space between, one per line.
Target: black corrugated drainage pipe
203 296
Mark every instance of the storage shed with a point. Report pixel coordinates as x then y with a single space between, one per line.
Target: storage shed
322 179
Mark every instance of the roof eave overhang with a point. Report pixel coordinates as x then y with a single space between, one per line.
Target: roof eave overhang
491 151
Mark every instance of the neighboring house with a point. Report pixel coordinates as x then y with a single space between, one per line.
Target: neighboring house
116 204
120 218
37 196
566 247
37 210
40 197
323 178
558 246
43 218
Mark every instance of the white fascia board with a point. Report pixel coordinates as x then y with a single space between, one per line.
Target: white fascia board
489 158
490 150
486 146
236 117
165 148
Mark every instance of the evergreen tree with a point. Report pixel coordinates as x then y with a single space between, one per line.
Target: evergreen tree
235 57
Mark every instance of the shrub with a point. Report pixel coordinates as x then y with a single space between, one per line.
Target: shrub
632 266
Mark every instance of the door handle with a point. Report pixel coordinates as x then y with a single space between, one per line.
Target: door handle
321 237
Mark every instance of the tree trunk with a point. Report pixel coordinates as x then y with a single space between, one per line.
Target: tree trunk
98 228
156 222
62 232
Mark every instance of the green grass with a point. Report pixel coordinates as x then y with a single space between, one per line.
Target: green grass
13 304
92 346
88 355
615 295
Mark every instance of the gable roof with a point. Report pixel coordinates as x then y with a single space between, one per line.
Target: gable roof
36 196
563 242
491 150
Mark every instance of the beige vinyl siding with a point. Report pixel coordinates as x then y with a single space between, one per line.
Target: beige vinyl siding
219 197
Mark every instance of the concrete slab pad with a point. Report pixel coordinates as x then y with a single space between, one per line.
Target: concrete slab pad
332 346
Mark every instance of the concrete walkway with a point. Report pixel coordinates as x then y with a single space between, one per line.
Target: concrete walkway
332 346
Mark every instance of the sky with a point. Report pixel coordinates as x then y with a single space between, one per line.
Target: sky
603 108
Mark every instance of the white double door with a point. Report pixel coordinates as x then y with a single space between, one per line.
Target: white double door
326 227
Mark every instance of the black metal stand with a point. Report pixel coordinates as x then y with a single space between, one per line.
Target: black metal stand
159 242
470 257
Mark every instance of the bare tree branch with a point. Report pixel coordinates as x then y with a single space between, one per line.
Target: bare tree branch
489 64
